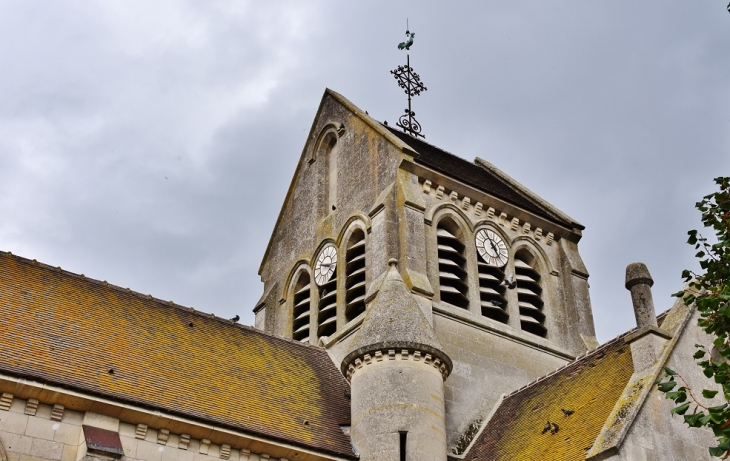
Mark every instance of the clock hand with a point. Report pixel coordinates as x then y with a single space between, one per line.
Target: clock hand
494 247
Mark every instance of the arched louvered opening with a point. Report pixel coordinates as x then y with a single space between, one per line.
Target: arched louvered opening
491 292
453 284
529 294
355 280
327 317
302 309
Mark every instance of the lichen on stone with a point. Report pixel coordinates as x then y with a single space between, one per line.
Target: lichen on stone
466 437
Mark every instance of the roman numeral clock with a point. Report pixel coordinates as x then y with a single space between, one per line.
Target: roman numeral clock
491 248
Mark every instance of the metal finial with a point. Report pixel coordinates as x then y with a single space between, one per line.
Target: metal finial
411 83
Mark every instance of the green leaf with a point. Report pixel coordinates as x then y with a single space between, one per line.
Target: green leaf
717 409
680 410
669 371
666 386
699 354
708 394
694 420
678 396
716 451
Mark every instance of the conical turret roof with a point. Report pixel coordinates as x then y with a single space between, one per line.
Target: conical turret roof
395 321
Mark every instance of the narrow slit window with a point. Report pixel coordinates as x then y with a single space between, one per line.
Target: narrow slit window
403 436
453 286
301 309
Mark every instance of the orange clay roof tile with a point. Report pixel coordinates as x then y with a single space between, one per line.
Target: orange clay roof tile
589 386
66 329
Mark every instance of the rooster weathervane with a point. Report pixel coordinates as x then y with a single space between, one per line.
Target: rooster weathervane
411 83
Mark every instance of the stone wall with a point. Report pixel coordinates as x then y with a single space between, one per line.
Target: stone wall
486 366
656 434
33 431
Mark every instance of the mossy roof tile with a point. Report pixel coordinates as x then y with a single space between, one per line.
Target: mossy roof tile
69 330
590 386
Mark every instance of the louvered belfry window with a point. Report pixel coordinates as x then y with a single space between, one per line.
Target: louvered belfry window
529 294
491 292
327 317
355 275
453 285
300 330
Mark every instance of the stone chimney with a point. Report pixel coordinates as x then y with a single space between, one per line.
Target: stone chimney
639 282
648 340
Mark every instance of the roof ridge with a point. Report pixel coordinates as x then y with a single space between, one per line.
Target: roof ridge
422 141
149 297
578 359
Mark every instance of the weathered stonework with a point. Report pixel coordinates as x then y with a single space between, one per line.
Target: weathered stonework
382 184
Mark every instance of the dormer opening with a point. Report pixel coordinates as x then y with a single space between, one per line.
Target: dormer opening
355 275
529 293
453 282
301 308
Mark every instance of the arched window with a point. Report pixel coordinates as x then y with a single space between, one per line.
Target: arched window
355 275
327 316
301 308
327 153
453 282
529 293
491 291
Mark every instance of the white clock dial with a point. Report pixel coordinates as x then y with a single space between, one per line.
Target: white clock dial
491 248
325 266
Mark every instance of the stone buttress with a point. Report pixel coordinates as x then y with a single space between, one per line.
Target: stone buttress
397 368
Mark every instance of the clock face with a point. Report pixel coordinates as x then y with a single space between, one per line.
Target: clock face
491 248
325 265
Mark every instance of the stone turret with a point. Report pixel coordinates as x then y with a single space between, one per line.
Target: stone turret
397 368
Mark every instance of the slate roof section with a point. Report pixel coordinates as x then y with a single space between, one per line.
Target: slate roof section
590 386
395 320
474 175
68 330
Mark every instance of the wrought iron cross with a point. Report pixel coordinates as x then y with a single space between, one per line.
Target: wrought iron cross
411 83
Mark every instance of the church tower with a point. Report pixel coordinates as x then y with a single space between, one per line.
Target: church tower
397 367
494 269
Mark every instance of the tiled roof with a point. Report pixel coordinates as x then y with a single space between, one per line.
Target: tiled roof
590 386
473 175
72 331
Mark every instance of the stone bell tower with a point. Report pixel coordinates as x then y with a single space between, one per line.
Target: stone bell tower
397 368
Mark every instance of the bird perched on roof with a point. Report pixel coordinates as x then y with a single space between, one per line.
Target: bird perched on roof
567 412
546 428
509 282
235 319
407 44
554 429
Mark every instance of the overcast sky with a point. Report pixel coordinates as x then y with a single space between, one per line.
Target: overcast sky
151 144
